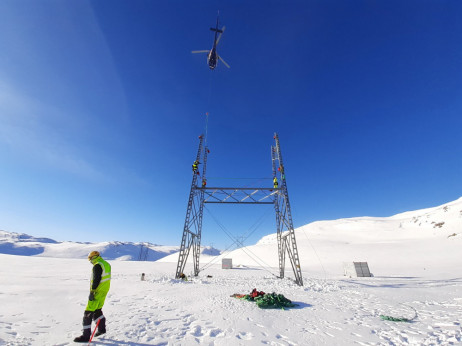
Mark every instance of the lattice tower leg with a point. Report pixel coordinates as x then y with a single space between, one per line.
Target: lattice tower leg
286 243
193 221
281 253
200 193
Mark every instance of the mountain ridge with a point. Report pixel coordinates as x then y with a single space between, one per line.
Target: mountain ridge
424 225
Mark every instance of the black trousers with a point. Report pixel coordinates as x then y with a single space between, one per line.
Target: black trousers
96 315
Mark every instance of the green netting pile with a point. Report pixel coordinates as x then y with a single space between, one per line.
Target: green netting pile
273 301
266 300
394 319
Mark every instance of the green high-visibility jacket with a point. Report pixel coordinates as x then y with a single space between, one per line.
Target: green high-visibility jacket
105 279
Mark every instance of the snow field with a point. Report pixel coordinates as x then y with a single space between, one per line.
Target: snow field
415 258
43 299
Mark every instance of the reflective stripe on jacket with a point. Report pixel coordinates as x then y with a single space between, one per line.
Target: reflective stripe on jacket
105 275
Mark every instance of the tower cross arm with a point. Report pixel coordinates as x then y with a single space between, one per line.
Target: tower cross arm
236 195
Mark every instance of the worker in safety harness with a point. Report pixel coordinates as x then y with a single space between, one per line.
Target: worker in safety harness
195 166
99 287
275 183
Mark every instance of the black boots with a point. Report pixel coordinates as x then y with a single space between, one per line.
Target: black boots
85 337
101 327
98 333
88 316
102 322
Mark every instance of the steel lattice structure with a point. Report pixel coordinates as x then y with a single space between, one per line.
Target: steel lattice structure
279 197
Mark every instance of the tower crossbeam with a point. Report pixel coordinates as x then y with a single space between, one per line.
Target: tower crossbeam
236 195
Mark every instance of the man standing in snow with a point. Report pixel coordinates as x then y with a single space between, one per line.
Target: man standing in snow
99 287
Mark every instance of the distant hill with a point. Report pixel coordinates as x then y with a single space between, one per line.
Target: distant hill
26 245
422 239
412 237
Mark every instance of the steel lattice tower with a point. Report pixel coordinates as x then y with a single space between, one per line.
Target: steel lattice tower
193 222
285 227
279 197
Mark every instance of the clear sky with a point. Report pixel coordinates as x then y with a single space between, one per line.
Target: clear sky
102 103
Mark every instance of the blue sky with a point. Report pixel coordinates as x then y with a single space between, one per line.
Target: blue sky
101 104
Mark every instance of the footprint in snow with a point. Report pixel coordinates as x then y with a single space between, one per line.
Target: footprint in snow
196 331
215 332
244 336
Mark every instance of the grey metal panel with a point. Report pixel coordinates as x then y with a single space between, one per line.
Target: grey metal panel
362 269
227 263
365 269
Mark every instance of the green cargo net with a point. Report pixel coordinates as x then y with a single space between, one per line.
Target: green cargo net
273 301
394 319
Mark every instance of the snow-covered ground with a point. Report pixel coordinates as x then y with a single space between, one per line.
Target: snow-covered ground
416 262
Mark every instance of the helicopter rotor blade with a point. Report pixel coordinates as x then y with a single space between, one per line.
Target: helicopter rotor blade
224 62
221 33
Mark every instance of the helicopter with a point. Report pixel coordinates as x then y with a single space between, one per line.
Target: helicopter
213 57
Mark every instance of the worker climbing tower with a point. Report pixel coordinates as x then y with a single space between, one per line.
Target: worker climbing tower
276 195
285 227
193 222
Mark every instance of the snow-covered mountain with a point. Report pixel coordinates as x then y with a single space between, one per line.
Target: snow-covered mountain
26 245
410 236
325 245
